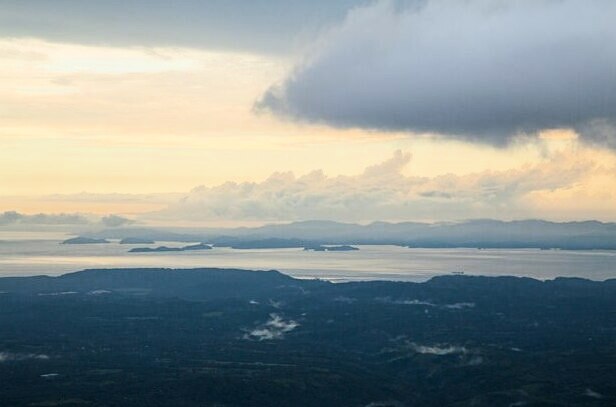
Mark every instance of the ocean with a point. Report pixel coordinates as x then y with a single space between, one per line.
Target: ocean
25 256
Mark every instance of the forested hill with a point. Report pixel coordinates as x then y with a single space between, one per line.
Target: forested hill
196 337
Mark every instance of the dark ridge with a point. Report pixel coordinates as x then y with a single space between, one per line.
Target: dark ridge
209 283
194 284
84 240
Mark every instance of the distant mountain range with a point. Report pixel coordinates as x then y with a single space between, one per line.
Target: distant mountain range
482 233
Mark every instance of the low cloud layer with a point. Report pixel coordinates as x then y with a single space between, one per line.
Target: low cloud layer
454 306
476 70
17 219
384 192
438 350
12 357
275 328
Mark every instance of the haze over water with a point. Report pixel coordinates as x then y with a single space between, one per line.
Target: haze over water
21 257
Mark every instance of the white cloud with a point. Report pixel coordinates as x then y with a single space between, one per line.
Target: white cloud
481 70
384 192
55 294
460 305
275 328
438 350
593 394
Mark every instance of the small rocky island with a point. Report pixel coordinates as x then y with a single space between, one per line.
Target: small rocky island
84 240
198 246
321 248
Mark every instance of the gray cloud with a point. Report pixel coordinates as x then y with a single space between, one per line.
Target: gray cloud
257 25
476 70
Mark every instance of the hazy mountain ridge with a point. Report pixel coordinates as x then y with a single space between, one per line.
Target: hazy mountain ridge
474 233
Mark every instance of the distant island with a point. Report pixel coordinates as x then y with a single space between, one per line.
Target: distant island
198 246
136 240
84 240
320 248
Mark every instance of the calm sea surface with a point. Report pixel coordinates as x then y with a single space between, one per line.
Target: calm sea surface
24 256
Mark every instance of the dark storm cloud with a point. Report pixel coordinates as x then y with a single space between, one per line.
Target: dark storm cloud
477 70
257 25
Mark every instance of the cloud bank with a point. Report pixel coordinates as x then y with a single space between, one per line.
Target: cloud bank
384 192
17 219
475 70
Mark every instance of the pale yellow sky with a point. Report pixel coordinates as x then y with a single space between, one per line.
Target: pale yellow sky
132 120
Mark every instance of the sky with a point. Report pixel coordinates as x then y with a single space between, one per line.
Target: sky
246 112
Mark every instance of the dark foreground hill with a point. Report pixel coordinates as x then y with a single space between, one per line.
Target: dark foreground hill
216 337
